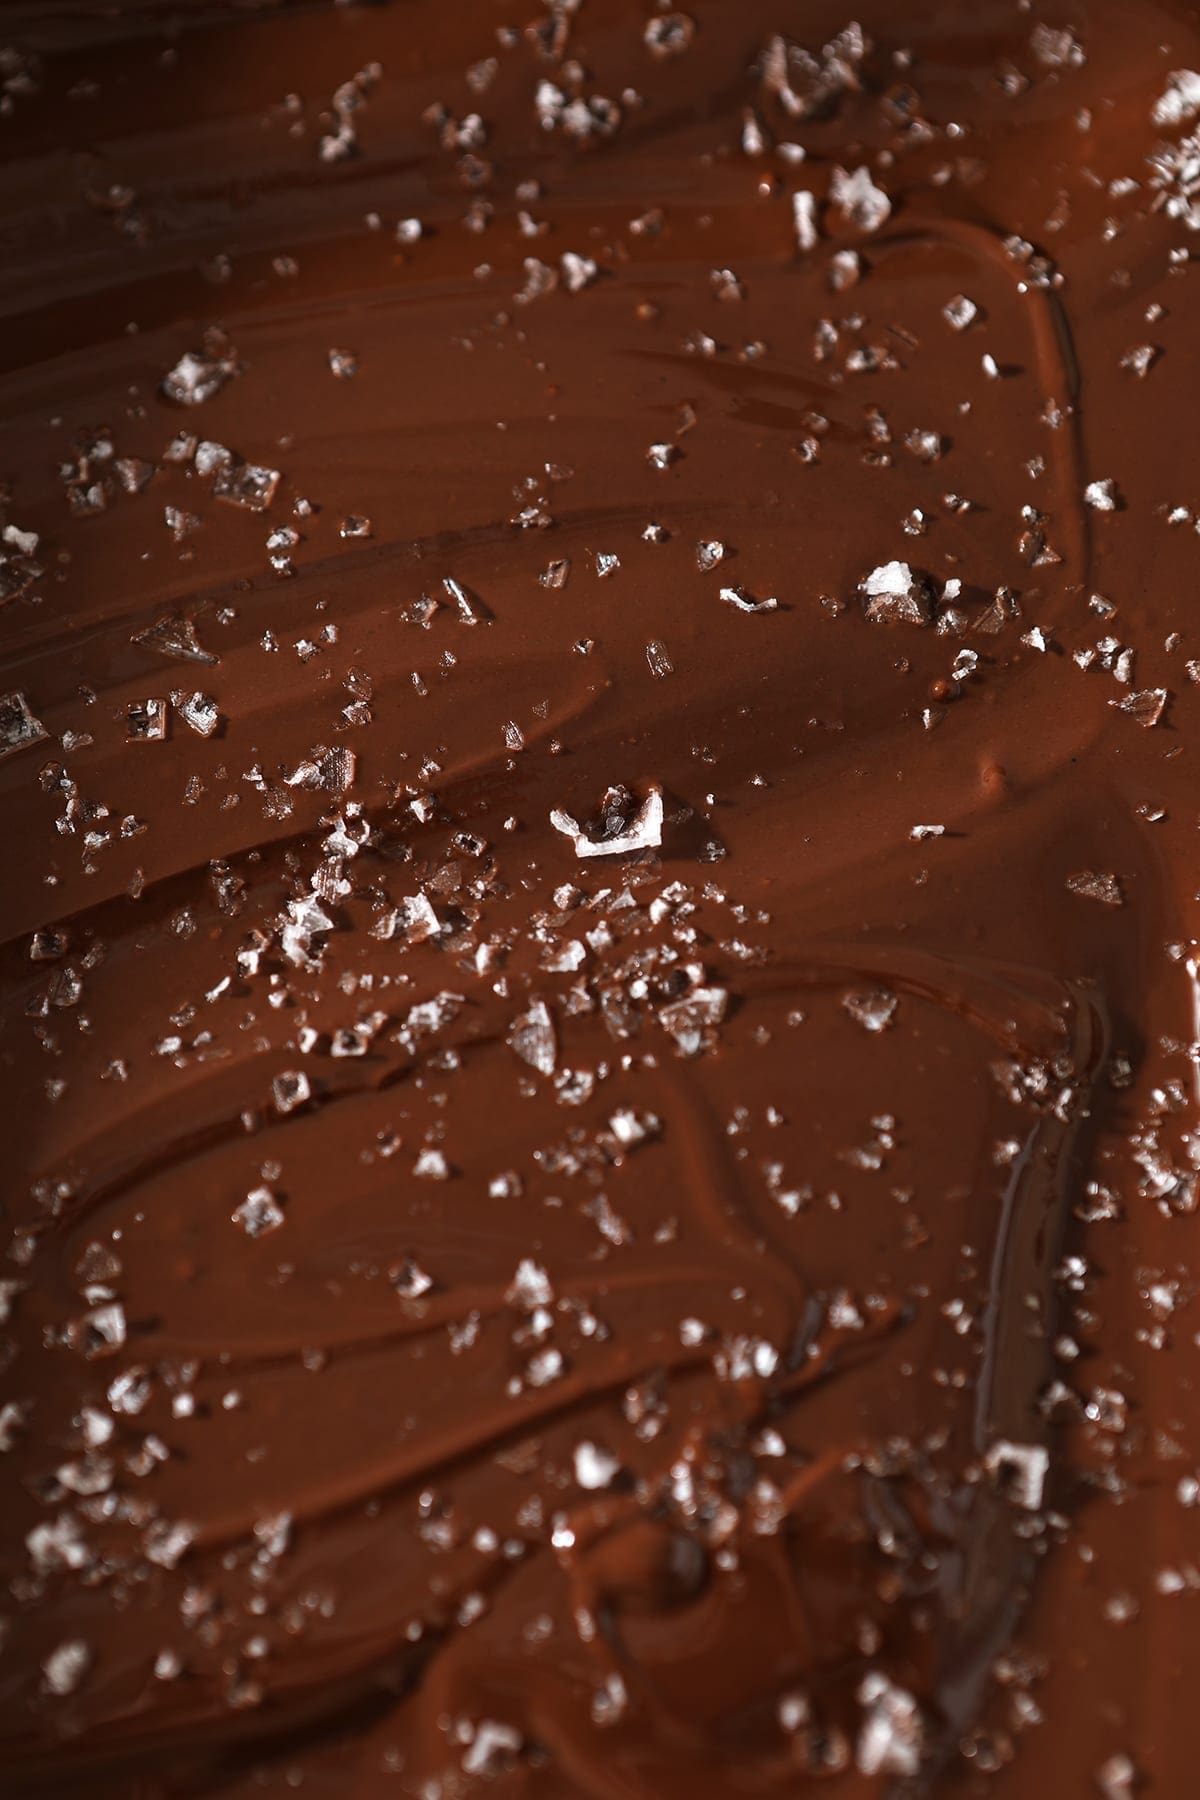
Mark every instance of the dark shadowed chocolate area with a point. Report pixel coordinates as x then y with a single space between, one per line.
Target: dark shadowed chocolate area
598 999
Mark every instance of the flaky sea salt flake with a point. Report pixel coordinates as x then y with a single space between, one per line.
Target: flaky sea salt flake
65 1668
1090 884
892 1731
1145 705
1180 99
174 636
744 602
196 378
258 1213
894 593
643 833
804 220
1020 1470
862 203
19 728
534 1039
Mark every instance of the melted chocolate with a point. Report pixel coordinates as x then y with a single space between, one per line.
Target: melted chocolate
598 1016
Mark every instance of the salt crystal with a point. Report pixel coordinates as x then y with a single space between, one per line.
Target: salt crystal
1117 1778
104 1328
661 456
258 1213
863 204
416 919
1020 1469
578 272
670 34
960 312
895 594
167 1542
246 484
470 610
492 1749
804 219
174 636
737 596
1101 495
210 457
631 1128
290 1089
530 1286
431 1165
873 1010
845 269
534 1039
1140 360
926 446
891 1734
658 659
709 552
594 1467
410 1280
196 378
197 710
146 721
1093 886
643 833
18 726
306 920
545 1366
1056 48
66 1667
1180 99
1147 705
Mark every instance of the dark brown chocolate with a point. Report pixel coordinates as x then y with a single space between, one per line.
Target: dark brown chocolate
598 1005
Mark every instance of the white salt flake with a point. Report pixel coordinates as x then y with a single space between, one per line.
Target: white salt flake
18 726
863 204
892 1731
196 378
873 1010
578 272
1091 885
1180 99
594 1467
737 596
290 1089
530 1287
804 219
197 710
534 1039
1145 705
65 1668
960 312
492 1749
258 1213
1020 1470
895 594
644 832
1101 495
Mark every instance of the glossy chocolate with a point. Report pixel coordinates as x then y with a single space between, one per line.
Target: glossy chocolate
597 1002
